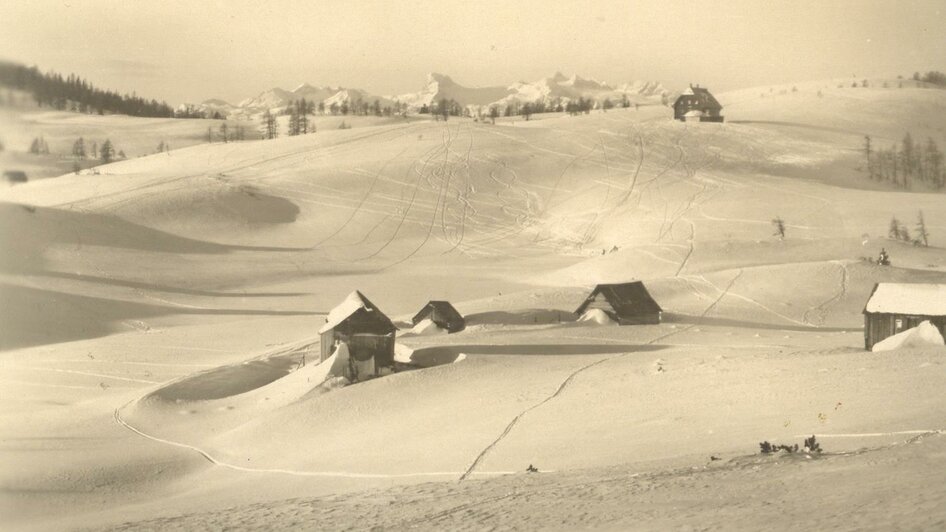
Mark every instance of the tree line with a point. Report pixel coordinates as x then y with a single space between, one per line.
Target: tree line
72 93
906 163
362 107
449 107
933 76
225 134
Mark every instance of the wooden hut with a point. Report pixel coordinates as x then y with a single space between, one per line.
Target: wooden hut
697 104
895 307
368 333
625 303
443 314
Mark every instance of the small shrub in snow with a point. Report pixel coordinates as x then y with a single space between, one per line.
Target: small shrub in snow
810 446
769 448
779 225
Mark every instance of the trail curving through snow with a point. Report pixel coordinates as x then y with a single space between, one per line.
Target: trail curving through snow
324 474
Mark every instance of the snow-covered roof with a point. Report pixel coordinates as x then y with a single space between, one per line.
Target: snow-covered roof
352 304
908 298
627 299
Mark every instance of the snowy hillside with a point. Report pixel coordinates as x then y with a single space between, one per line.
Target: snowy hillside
160 324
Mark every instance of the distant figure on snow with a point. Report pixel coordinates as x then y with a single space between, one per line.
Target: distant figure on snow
883 259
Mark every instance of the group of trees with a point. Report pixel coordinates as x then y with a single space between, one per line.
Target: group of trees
226 134
39 146
443 109
579 106
899 231
191 111
270 125
107 153
933 76
905 163
361 107
299 112
446 108
572 107
72 93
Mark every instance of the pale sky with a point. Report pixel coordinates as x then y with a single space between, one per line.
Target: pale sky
197 49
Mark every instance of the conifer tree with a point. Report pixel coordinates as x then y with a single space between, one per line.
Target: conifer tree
922 236
893 230
904 233
108 152
78 148
867 154
293 120
303 116
270 125
934 163
444 108
526 110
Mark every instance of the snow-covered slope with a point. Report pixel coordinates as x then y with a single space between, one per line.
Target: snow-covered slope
156 316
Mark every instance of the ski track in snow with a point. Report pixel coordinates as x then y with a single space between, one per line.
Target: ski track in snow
821 308
90 374
561 387
754 302
299 473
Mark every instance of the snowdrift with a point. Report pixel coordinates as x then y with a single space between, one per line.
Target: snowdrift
426 327
923 335
596 316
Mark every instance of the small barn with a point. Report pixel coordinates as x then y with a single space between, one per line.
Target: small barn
443 314
368 333
697 104
626 303
895 307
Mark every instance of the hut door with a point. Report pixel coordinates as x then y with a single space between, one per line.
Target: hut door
365 350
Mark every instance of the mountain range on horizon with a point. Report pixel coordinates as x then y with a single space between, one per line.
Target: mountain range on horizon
557 87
